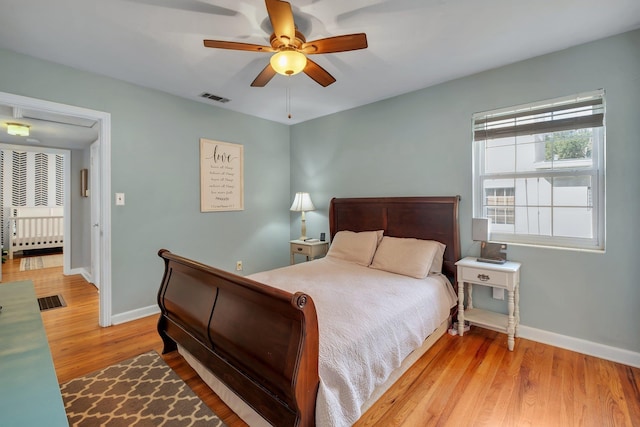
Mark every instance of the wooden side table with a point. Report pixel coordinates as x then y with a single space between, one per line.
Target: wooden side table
504 276
309 249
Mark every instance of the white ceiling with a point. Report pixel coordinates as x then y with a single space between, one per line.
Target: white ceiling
412 44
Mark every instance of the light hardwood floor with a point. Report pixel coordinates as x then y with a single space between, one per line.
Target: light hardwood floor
472 380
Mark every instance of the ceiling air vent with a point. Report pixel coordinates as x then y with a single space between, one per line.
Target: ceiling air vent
214 97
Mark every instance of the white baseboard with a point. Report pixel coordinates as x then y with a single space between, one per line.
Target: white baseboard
590 348
81 271
87 276
138 313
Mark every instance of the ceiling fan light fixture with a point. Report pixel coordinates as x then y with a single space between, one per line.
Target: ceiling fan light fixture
288 62
17 129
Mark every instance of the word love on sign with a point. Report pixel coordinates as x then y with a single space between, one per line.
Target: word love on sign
221 176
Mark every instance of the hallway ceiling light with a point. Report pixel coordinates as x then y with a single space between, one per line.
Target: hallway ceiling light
17 129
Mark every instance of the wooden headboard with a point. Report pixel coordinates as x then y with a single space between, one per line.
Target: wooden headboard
428 218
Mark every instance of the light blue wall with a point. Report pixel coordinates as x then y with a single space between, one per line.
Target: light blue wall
420 144
155 162
80 213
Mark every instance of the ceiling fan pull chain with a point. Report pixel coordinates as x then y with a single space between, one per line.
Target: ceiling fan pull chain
288 93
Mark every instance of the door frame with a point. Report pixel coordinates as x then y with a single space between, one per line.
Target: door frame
95 225
104 200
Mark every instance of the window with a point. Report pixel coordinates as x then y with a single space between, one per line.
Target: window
500 205
539 172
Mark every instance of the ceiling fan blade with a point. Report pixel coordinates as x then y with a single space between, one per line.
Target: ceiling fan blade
319 74
336 44
221 44
264 77
281 17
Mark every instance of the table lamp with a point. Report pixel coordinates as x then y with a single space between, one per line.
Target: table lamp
302 203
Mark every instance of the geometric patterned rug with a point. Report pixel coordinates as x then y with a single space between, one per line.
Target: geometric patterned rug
142 391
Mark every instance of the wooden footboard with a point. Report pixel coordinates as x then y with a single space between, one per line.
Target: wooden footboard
260 341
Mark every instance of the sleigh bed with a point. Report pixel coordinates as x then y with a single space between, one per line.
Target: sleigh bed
268 350
35 227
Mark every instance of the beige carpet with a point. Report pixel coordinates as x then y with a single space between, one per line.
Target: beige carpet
142 391
38 262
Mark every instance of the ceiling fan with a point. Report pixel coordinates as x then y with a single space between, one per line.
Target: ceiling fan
290 47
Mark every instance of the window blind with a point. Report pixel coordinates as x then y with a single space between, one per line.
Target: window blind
584 111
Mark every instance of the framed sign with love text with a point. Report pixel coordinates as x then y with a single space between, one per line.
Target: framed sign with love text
221 176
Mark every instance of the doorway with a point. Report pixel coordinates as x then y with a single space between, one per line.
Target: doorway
101 212
34 201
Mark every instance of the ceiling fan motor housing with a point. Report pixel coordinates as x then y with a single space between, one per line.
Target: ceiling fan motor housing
277 43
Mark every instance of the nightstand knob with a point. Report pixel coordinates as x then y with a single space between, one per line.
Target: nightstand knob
299 249
483 277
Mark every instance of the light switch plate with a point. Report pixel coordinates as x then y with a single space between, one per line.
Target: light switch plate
498 293
119 199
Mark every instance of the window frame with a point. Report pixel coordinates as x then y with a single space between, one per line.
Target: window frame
596 171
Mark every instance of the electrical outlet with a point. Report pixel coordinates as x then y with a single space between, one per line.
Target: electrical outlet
238 265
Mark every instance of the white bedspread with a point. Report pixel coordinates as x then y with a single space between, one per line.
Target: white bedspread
368 320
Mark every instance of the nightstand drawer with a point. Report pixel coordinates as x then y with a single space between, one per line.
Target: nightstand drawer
301 249
309 249
493 278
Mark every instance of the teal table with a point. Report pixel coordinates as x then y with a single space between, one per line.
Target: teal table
29 390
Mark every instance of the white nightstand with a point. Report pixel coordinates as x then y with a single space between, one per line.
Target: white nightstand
310 249
504 276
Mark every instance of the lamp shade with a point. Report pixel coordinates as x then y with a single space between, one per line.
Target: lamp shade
481 229
302 202
288 62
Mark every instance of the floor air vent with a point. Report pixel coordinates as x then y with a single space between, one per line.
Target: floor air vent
53 301
214 97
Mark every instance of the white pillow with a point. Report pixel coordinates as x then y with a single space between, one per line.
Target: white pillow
355 247
406 256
